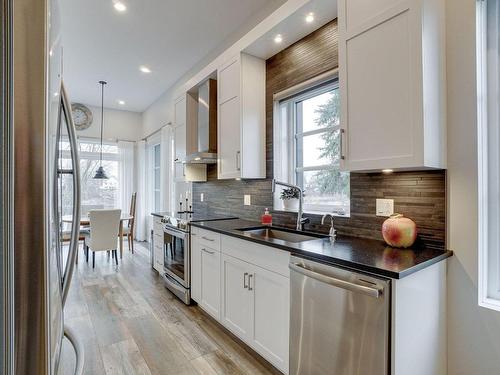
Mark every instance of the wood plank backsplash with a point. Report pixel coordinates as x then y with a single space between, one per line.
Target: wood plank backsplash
418 195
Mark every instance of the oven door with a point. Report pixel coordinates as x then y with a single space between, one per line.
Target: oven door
176 255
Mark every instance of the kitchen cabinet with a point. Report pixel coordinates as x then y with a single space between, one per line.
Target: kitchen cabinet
256 300
205 271
236 299
195 267
158 244
246 288
184 143
270 309
392 84
210 281
241 129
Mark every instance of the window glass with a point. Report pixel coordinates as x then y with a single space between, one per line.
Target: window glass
307 149
95 193
321 111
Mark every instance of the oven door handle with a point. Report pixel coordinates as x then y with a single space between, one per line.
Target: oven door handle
175 233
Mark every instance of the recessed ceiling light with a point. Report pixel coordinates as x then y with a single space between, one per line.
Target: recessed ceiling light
310 17
278 38
121 102
387 170
119 6
144 69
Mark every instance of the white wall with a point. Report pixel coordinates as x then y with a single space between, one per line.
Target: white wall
123 125
161 111
473 332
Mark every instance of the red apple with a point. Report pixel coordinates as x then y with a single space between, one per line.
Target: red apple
399 231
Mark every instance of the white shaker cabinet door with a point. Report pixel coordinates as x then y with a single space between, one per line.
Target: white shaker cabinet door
229 145
195 269
236 299
271 312
210 281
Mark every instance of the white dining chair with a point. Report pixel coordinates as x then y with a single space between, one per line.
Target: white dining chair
104 228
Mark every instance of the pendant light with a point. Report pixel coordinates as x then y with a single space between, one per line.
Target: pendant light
100 174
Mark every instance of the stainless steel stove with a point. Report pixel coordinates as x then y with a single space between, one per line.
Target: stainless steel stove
177 250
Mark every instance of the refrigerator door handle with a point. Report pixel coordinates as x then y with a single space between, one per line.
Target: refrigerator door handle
79 352
75 229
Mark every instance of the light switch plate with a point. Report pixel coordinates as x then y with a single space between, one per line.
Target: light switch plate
202 197
385 207
247 201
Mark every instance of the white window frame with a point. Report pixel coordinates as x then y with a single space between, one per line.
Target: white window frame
284 152
488 167
85 155
156 168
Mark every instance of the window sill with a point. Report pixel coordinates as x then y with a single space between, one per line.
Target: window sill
490 304
316 213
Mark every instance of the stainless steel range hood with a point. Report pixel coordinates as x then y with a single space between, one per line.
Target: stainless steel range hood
207 125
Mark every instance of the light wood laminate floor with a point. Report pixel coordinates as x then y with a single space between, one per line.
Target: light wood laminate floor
129 323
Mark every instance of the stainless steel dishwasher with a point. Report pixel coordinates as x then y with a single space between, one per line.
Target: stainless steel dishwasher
339 322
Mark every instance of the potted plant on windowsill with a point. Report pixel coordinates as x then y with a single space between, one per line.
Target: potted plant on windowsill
290 198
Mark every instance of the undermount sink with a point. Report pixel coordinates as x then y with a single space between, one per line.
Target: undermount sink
283 234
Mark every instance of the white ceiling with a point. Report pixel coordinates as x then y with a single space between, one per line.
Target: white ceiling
294 28
168 36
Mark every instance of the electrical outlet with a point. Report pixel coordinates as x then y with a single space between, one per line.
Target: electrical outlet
247 201
385 207
202 197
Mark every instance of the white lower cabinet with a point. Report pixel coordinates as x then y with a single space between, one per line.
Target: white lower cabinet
256 304
195 268
205 271
246 288
236 299
210 281
271 311
158 245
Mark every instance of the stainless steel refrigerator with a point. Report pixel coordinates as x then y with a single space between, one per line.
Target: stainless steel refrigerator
38 252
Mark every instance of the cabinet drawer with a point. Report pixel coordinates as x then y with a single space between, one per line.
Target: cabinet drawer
267 257
208 239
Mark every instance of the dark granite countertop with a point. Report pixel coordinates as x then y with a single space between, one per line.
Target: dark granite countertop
159 214
353 252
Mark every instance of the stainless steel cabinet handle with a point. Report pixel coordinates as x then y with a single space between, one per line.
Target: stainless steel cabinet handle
250 282
208 251
208 239
245 285
75 230
342 156
238 160
369 291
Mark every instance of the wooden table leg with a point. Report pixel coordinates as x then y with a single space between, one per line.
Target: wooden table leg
121 239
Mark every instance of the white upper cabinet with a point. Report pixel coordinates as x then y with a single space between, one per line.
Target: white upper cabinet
241 127
392 84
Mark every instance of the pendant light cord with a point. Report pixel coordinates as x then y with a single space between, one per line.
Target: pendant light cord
102 117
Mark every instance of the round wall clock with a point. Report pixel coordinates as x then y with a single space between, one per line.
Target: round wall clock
82 116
